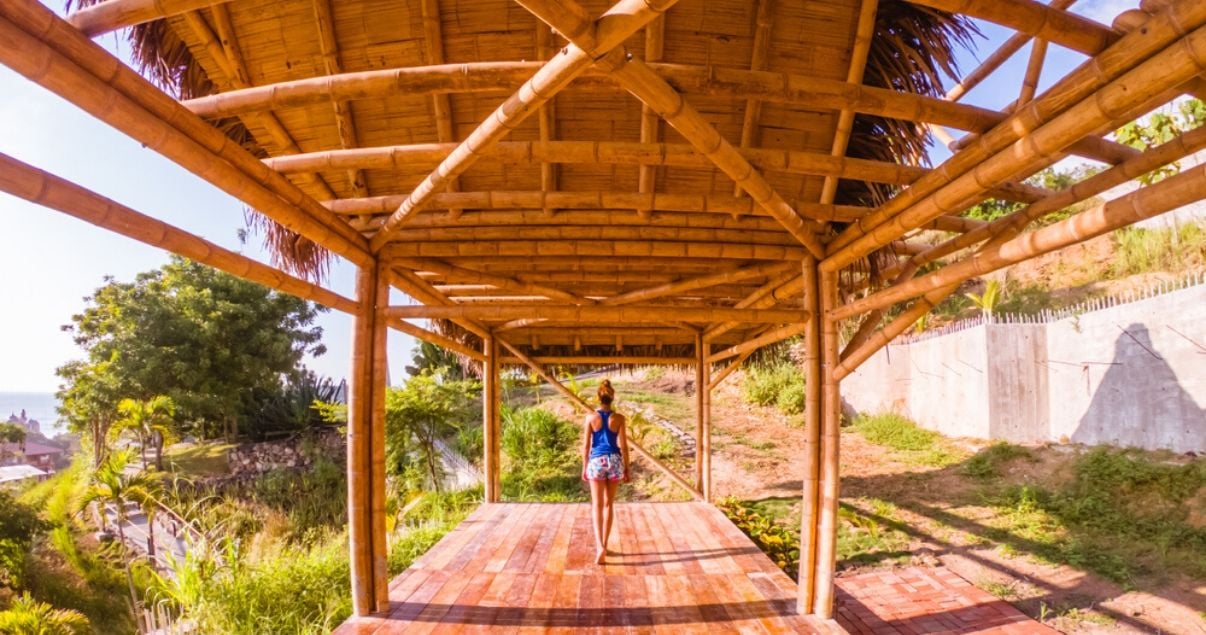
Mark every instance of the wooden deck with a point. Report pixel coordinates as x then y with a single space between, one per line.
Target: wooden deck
524 567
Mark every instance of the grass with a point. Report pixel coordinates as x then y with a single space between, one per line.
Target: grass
779 384
987 463
910 442
1138 250
201 459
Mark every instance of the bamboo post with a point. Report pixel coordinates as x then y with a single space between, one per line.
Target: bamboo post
812 442
359 447
829 481
700 388
490 419
380 378
705 389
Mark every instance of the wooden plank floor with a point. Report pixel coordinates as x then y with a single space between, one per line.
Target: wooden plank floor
527 568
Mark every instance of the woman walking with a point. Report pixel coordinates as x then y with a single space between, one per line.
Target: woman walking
604 463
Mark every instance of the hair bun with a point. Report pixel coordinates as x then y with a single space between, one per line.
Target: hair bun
606 392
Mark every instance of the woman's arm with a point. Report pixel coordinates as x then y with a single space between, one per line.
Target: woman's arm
622 437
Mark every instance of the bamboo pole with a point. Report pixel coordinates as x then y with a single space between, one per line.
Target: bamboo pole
622 20
771 337
1171 193
441 105
437 339
423 291
1130 51
324 19
571 237
547 115
855 355
578 401
655 38
1169 67
723 373
1038 53
111 15
53 54
763 13
864 32
603 360
1049 23
37 186
765 296
806 590
829 485
691 284
502 282
704 387
359 448
700 387
377 501
624 314
617 248
490 394
427 155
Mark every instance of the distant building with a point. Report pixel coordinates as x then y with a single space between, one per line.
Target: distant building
30 425
12 474
38 455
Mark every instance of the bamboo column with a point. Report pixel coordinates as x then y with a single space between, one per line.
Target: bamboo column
700 389
812 441
380 373
705 389
490 419
828 484
359 448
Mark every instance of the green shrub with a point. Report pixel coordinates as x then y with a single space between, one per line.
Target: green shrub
19 525
543 461
312 499
776 540
986 463
780 385
914 443
1139 250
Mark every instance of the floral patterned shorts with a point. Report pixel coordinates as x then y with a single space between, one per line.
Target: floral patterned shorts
609 467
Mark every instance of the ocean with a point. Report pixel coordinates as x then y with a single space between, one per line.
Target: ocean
37 405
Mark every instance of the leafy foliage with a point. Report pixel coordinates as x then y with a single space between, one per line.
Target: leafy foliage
150 422
780 385
28 616
1138 250
986 463
313 499
777 541
987 301
913 443
426 410
541 458
206 339
19 525
1160 128
303 403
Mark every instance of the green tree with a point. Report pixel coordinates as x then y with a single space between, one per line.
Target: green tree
19 525
429 358
1160 128
113 485
426 409
206 339
12 433
28 616
149 422
88 400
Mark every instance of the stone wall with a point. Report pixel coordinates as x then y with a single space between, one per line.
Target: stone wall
1128 372
294 453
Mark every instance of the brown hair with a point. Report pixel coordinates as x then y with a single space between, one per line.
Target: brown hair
606 392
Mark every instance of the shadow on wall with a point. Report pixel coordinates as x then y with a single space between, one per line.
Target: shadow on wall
1140 401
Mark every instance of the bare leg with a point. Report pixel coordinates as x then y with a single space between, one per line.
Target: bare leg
609 510
598 492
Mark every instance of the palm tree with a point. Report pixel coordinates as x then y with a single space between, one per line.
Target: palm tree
149 421
28 615
112 485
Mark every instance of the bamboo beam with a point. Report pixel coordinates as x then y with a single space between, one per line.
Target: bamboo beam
1066 29
810 511
829 483
53 54
111 15
619 22
225 53
1173 150
577 401
771 337
633 314
720 376
864 32
604 217
655 38
427 155
595 248
502 282
1130 51
345 125
1038 53
760 51
546 232
603 360
359 448
856 355
690 284
491 420
421 290
1171 193
437 339
377 494
765 296
1039 148
37 186
433 38
547 116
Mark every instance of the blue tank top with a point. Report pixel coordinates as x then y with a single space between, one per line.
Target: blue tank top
603 440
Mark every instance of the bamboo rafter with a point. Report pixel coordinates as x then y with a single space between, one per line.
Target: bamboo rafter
112 15
655 39
324 18
636 314
763 11
1039 20
858 64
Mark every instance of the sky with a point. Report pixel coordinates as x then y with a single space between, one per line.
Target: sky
49 261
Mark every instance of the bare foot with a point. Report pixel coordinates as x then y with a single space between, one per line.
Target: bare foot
599 555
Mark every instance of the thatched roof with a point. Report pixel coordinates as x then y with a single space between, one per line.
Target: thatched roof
263 42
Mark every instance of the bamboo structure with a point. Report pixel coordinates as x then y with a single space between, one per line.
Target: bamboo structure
488 159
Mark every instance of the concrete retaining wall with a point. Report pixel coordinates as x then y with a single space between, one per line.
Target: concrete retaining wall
1128 374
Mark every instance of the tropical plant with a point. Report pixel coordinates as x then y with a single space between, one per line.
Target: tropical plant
28 616
293 407
774 539
150 422
113 485
19 524
424 411
987 301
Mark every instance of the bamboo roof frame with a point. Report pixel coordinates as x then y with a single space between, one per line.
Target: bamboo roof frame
636 243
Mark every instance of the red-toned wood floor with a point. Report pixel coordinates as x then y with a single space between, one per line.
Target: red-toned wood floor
672 568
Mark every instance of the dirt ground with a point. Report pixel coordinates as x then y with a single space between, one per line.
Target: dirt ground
757 456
